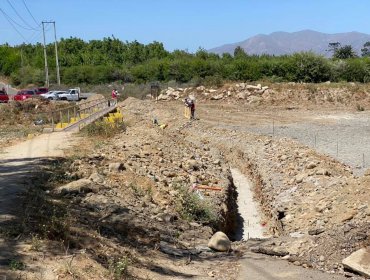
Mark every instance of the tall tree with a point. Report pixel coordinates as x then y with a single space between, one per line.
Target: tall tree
333 47
365 51
239 52
345 52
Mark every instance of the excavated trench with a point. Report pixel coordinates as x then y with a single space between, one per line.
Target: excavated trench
250 223
251 213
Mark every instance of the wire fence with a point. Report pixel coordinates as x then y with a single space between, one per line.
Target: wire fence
347 140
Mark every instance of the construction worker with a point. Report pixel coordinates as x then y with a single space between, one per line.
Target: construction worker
115 95
189 102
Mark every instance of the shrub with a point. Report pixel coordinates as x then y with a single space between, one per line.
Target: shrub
104 129
192 207
119 268
310 68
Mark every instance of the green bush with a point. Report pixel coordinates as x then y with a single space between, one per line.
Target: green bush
103 129
194 208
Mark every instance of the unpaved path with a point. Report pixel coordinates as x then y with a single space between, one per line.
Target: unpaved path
17 163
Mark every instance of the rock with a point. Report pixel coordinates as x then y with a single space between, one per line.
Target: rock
116 167
170 250
193 179
75 187
192 164
311 165
96 178
315 231
201 88
270 250
359 261
348 216
299 178
217 97
163 97
367 172
323 171
241 95
253 87
254 99
174 94
219 242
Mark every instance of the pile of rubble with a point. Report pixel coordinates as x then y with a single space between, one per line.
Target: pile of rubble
240 91
278 94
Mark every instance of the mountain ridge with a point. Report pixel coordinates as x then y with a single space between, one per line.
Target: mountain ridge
281 42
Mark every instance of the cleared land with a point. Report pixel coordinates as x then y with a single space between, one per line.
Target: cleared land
132 211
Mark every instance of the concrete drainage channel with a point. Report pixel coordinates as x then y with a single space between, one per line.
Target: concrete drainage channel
249 222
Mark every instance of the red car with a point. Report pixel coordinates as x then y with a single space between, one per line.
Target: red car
24 94
4 98
41 90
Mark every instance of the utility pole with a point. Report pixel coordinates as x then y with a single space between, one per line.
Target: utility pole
46 60
56 54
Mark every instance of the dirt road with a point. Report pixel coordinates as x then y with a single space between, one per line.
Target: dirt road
17 165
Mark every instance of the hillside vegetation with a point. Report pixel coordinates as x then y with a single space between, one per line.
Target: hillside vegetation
109 60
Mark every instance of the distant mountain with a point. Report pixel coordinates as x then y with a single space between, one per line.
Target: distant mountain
279 43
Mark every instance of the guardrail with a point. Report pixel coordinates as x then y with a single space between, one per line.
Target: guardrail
66 117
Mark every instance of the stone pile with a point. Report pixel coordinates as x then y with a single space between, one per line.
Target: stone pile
239 91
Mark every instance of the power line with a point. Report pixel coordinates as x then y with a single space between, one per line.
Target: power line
6 17
24 2
15 10
14 22
35 34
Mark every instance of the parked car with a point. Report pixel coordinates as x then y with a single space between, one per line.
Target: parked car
24 94
52 95
74 94
41 90
4 98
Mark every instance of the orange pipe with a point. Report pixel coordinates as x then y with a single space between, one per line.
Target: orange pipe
202 187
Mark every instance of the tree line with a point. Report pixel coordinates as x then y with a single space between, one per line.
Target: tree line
110 60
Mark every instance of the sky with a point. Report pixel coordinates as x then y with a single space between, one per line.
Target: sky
179 24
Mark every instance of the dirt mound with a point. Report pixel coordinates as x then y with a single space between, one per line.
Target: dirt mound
289 94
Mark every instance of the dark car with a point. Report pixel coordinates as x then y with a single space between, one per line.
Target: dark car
4 98
24 94
41 90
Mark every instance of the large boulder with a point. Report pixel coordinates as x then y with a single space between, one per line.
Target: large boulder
220 242
359 261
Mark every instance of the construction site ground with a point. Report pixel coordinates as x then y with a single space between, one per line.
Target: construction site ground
115 200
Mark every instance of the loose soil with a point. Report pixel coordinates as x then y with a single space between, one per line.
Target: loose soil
314 205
